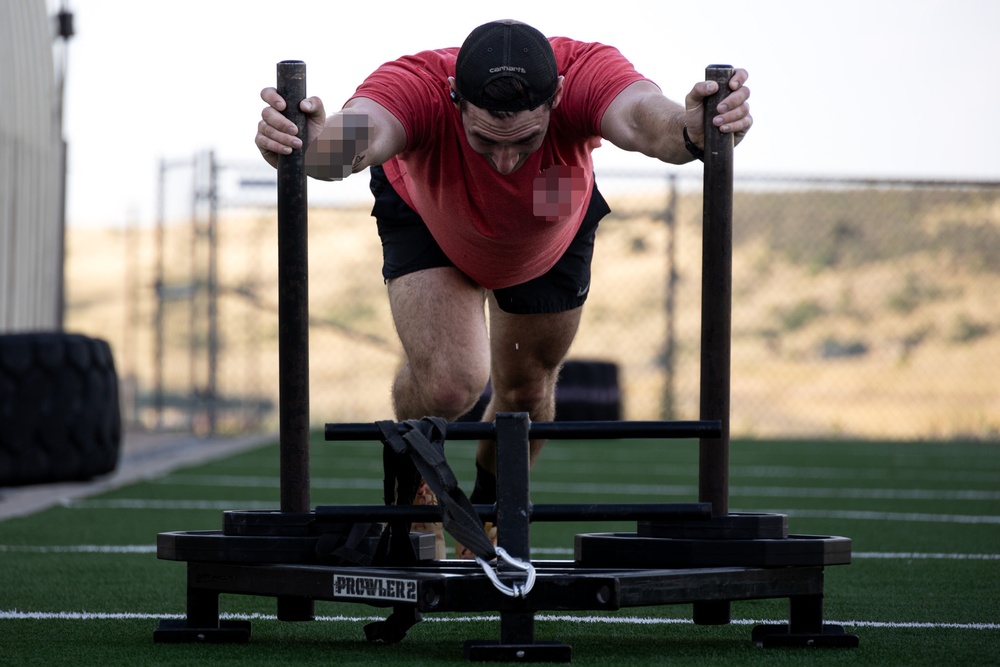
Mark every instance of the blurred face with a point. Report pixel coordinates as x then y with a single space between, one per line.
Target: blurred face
505 142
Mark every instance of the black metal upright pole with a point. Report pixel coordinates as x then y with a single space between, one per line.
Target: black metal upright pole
716 298
716 318
513 510
293 320
293 300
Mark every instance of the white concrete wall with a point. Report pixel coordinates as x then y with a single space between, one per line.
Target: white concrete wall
30 170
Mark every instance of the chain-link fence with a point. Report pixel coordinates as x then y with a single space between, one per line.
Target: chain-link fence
860 308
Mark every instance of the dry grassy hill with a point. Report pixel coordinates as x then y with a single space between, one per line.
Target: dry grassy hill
871 315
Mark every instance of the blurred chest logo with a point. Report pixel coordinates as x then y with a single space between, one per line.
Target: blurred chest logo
558 191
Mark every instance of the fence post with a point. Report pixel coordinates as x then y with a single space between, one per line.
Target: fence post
668 407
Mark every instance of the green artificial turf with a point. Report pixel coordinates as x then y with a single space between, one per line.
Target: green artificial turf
81 584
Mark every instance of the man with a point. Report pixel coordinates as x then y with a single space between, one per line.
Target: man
484 191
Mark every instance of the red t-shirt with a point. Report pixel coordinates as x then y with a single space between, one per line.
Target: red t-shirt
500 230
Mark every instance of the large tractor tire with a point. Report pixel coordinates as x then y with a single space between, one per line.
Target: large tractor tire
59 415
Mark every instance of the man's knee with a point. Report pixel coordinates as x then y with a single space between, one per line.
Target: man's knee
526 396
451 400
449 392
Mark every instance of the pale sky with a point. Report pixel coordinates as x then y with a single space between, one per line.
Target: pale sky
874 88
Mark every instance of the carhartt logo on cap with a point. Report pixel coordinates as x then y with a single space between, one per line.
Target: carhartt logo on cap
507 68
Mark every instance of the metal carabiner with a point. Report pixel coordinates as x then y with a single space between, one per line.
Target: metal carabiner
515 590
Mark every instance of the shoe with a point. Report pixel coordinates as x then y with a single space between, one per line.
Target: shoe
463 553
425 496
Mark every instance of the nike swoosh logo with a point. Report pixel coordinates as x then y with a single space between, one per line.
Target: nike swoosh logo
583 290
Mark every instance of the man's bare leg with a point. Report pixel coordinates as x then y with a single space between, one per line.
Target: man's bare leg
527 353
439 318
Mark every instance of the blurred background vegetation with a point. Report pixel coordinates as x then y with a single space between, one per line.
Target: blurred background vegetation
860 308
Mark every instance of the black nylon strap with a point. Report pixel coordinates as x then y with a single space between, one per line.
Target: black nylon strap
349 550
424 442
399 488
337 548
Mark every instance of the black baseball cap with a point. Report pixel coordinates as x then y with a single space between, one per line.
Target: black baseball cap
506 49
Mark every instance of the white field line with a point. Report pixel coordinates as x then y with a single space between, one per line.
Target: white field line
979 519
256 482
861 555
144 504
540 551
571 464
15 614
614 489
988 477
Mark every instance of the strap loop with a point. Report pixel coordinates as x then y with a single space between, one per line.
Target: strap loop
515 590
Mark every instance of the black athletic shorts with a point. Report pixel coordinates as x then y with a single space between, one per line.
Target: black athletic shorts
407 246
